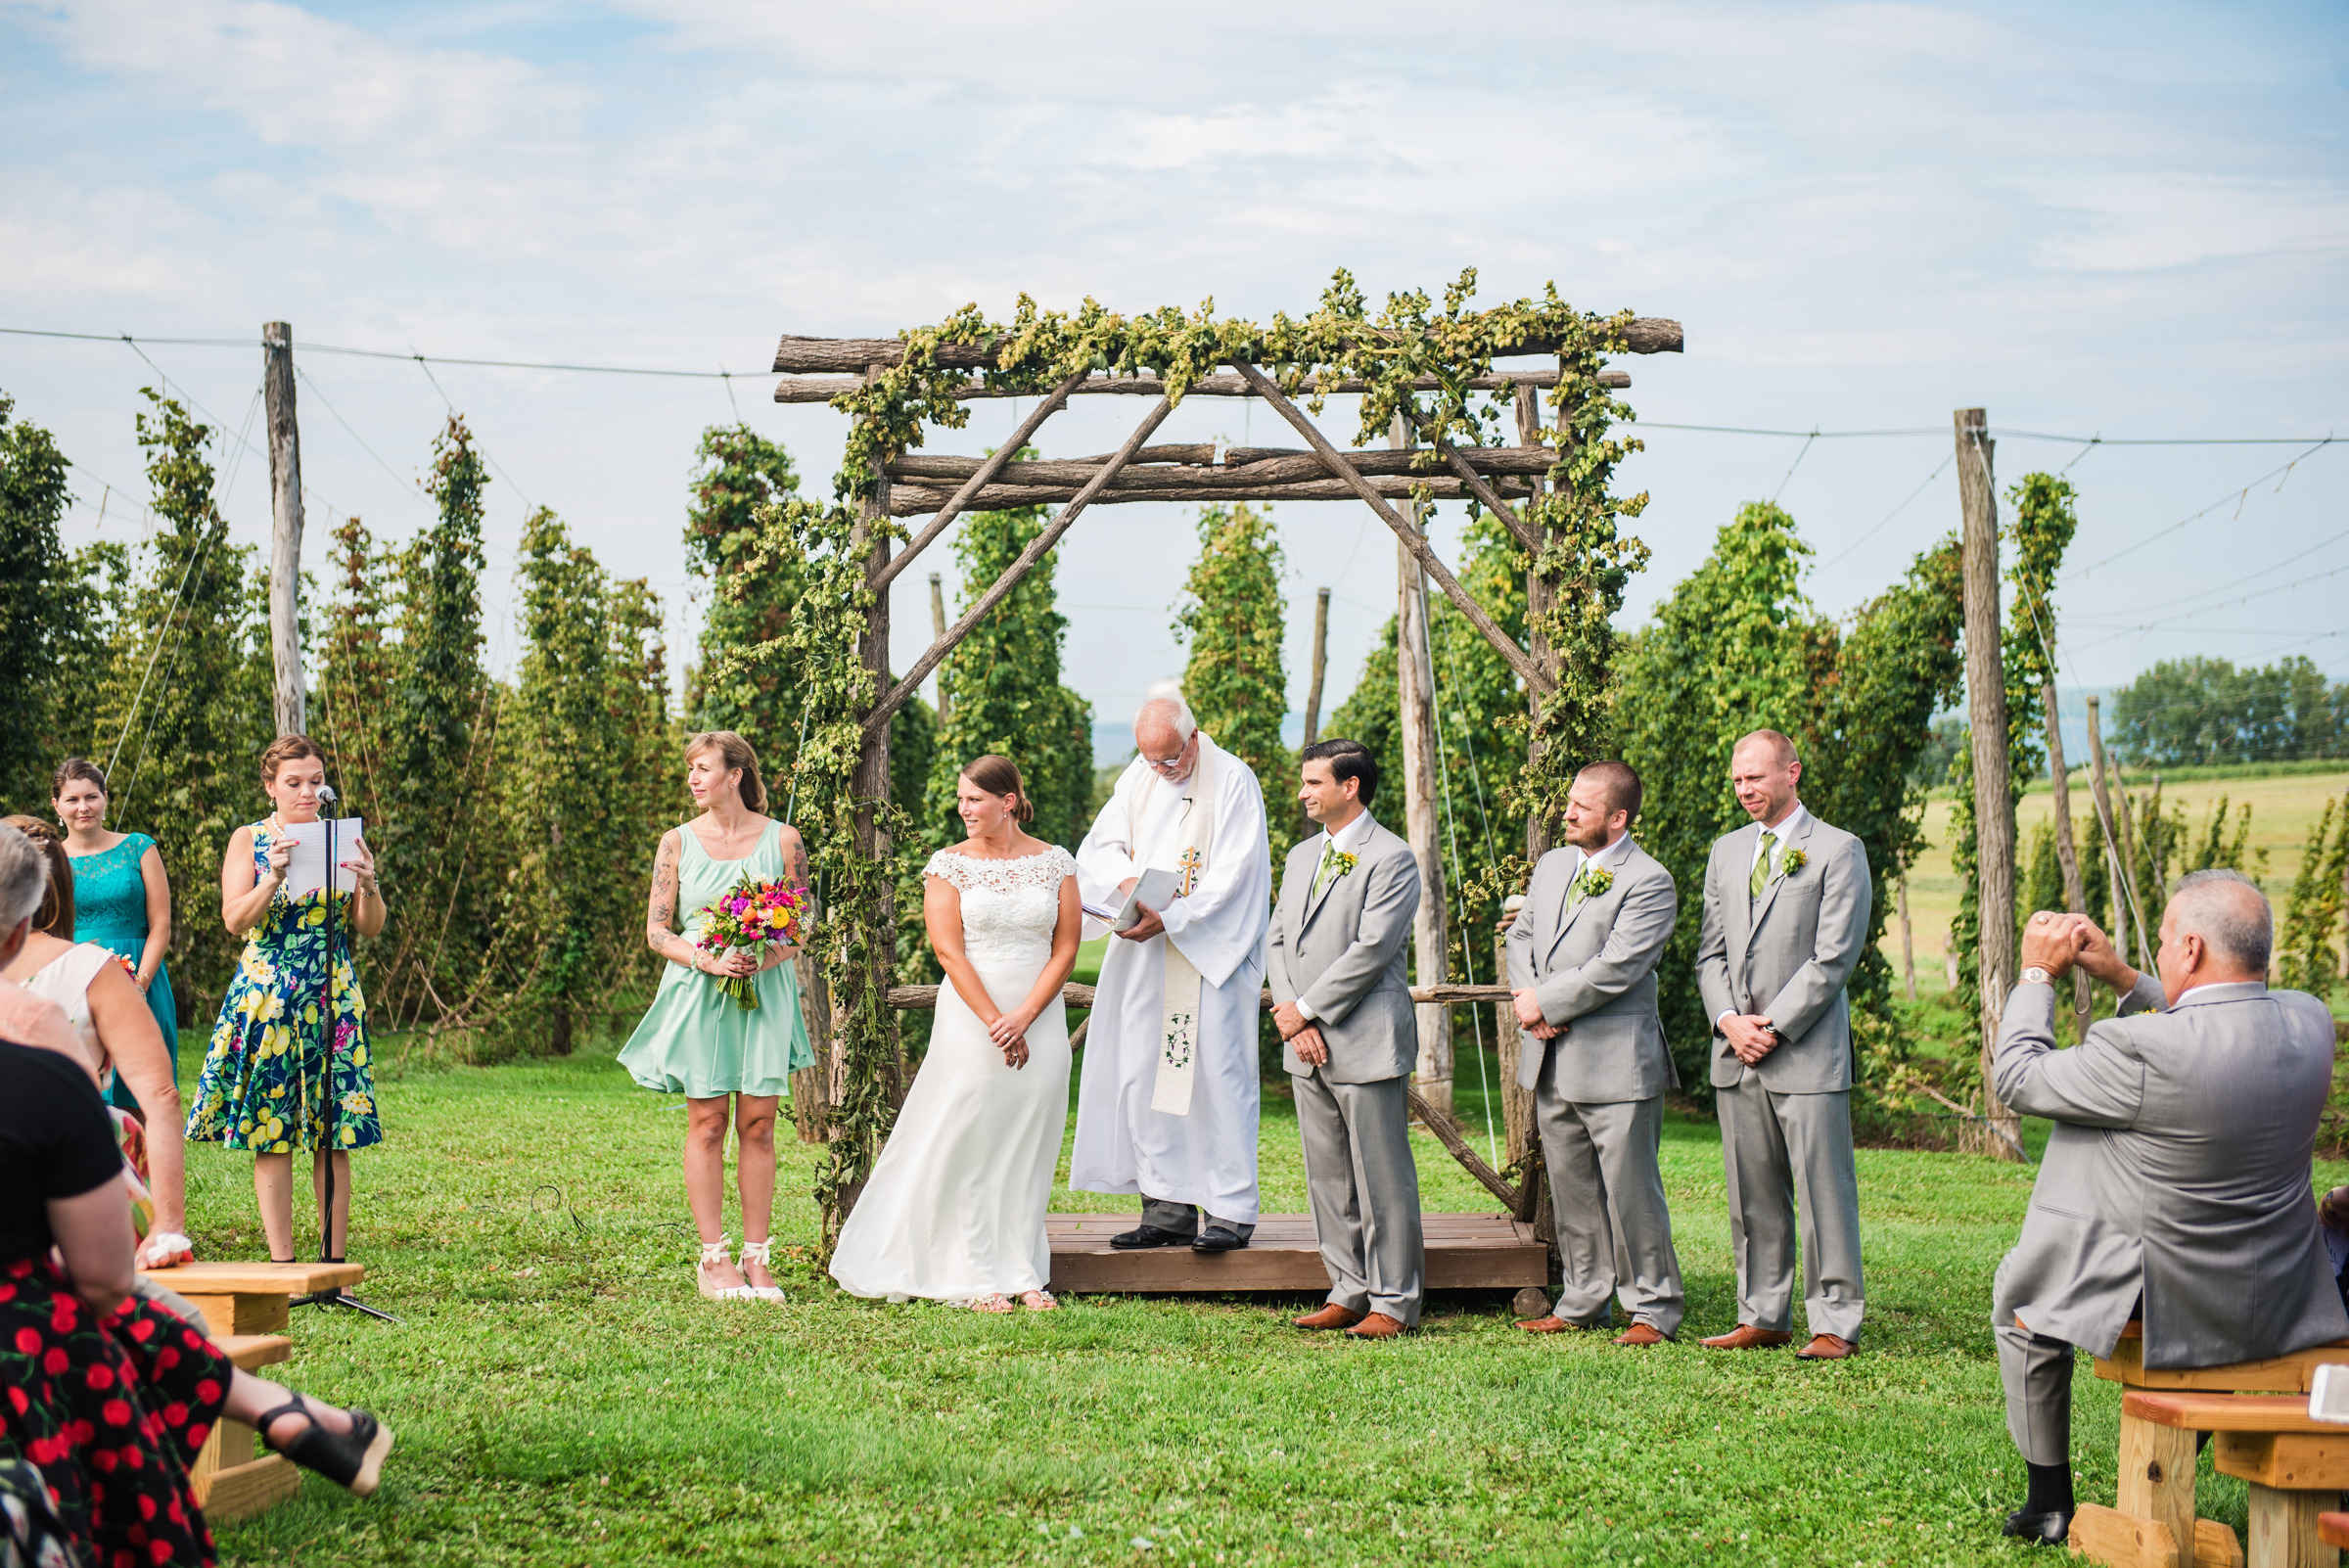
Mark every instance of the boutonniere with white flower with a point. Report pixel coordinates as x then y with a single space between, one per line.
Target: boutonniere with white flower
1594 880
1794 861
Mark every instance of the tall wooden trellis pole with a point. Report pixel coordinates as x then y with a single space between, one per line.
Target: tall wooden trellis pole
1442 365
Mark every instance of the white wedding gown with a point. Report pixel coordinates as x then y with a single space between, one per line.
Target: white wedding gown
955 1206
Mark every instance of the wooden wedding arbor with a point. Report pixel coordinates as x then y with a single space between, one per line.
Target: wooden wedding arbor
1416 373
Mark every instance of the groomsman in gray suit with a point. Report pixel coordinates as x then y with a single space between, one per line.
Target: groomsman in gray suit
1785 918
1583 958
2176 1183
1336 969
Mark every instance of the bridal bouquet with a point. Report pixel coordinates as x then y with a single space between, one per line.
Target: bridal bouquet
752 917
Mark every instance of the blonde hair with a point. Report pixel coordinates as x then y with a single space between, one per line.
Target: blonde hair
734 751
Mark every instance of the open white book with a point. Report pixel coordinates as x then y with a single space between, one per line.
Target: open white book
305 867
1155 890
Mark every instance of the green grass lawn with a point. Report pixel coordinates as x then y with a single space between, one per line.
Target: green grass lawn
562 1395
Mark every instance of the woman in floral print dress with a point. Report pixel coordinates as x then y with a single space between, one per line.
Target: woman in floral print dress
261 1088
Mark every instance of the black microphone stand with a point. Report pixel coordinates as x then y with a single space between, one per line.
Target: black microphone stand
330 1104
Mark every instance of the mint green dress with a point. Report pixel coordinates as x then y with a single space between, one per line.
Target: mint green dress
696 1040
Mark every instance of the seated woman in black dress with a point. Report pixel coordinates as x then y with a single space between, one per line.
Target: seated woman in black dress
110 1392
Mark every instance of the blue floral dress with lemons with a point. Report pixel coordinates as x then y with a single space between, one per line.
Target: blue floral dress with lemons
264 1073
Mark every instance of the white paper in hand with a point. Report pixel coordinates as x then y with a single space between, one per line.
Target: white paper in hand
1155 890
305 867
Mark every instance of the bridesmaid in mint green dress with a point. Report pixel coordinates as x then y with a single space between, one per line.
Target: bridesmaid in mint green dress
696 1040
122 897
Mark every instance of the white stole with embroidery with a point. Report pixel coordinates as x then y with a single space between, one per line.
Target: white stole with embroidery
1179 1024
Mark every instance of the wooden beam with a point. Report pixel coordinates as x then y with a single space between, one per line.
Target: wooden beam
981 477
913 498
1321 658
1203 463
879 717
1466 468
1502 643
794 355
1470 1161
919 999
1993 807
823 388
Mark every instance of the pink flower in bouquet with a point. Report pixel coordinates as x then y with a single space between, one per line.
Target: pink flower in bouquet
752 917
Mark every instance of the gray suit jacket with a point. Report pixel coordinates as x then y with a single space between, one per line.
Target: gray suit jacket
1343 953
1593 967
1785 956
2178 1168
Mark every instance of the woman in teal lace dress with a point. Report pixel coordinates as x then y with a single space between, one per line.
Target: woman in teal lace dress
261 1085
121 898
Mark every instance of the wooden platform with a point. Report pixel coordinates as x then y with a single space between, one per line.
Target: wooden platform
250 1298
1463 1251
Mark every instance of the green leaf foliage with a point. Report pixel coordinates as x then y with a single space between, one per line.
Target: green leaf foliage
2306 955
737 472
1234 621
2184 712
49 624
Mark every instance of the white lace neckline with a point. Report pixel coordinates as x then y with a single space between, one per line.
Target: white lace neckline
998 859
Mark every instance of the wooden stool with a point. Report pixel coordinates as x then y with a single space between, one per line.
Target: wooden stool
242 1305
2295 1465
2154 1525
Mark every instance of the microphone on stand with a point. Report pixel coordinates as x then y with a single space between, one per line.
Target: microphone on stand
334 1296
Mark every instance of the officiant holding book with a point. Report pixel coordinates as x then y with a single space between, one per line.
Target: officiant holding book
269 1071
1167 1108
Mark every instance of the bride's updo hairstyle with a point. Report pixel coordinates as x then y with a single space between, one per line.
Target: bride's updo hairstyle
1000 775
733 752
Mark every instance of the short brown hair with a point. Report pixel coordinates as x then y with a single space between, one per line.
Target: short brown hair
287 748
734 751
56 913
1000 775
76 770
1621 782
1780 744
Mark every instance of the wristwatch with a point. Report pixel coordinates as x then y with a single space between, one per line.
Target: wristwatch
2036 976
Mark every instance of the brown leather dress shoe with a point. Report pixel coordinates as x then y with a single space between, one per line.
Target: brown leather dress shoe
1332 1316
1378 1325
1643 1334
1827 1348
1547 1325
1745 1336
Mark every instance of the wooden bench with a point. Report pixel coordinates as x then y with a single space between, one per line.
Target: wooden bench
242 1307
2296 1464
2155 1513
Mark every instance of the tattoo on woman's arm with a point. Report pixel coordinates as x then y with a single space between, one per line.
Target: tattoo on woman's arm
658 934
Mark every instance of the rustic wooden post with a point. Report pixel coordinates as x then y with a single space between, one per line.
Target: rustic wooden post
1313 692
1541 598
811 1086
1900 889
937 629
1415 668
2109 829
2075 893
285 533
1516 1104
1994 804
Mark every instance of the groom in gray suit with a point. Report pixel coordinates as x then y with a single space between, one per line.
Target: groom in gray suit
1786 919
2176 1183
1336 968
1583 957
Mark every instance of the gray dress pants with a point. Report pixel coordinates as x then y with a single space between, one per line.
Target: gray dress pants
1778 1149
1364 1191
1183 1218
1607 1196
2038 1374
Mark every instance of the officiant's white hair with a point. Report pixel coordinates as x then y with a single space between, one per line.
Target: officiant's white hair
1166 699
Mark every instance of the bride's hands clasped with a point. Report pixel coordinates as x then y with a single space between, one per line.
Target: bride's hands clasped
1010 1032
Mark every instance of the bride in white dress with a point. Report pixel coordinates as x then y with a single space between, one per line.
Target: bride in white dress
955 1210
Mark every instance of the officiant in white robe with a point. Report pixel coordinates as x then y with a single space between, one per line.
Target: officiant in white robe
1167 1104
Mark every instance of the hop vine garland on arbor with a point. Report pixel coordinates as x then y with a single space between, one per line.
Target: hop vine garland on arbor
1570 531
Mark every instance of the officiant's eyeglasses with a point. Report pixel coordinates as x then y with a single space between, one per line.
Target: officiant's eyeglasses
1166 765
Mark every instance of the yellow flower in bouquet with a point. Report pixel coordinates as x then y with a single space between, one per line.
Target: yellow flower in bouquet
752 916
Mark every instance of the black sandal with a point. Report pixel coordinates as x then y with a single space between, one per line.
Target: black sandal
352 1460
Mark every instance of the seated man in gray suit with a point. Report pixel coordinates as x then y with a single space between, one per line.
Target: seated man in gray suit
1583 958
1786 919
2176 1182
1347 898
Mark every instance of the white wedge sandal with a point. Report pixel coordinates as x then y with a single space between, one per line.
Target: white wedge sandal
718 1252
756 1251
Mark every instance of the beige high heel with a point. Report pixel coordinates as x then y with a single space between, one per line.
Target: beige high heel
718 1252
757 1252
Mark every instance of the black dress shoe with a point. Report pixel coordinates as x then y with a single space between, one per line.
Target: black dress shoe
2039 1529
1219 1238
1146 1237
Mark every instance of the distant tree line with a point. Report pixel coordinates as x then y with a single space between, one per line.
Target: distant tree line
2185 712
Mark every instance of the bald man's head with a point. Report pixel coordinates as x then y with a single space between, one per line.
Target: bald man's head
2232 916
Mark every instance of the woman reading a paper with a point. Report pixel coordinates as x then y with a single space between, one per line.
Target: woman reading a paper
269 1074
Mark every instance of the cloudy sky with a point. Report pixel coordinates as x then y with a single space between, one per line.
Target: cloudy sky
2127 221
